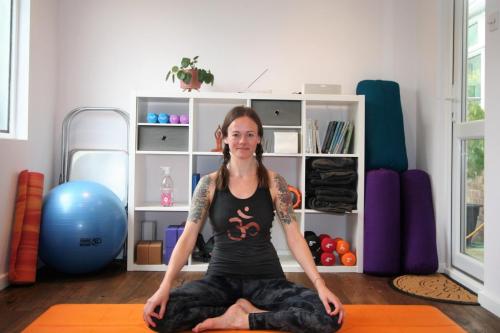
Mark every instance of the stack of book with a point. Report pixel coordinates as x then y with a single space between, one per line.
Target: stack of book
338 138
313 146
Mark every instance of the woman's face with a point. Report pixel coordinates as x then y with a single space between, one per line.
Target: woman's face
242 137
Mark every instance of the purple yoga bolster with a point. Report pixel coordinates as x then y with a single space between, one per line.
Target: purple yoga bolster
418 225
382 235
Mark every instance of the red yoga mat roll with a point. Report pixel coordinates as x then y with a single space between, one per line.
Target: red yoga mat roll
26 228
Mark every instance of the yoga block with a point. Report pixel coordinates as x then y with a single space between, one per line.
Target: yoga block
155 252
382 233
142 253
127 318
418 224
148 253
172 234
384 129
167 253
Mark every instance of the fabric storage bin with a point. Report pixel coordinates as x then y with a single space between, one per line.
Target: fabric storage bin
167 138
278 113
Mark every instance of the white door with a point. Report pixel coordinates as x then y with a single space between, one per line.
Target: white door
468 139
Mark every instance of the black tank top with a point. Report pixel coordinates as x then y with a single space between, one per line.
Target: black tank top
242 234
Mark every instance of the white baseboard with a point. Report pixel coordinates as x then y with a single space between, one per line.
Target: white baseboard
442 267
489 302
464 279
4 281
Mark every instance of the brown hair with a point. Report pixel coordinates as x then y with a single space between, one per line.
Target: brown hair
223 173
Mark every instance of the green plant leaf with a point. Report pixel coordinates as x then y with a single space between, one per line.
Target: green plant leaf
181 75
168 75
187 78
201 75
209 78
175 69
185 62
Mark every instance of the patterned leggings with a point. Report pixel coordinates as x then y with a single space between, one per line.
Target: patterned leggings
290 307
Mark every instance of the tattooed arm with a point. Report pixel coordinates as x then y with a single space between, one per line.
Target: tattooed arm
297 244
197 214
286 215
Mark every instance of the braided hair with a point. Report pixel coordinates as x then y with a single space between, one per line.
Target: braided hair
223 173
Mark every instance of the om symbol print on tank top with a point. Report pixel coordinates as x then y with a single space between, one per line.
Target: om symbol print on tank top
241 230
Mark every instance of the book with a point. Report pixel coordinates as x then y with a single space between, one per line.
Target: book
336 135
339 145
326 140
309 143
318 143
348 140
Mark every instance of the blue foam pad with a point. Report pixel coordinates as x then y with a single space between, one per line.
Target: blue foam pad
384 130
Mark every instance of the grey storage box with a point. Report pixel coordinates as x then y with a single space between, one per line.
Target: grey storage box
163 138
278 113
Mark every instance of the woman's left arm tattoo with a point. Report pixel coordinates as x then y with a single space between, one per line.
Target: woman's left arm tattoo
284 208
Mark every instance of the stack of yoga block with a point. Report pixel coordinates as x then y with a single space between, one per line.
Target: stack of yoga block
400 230
172 234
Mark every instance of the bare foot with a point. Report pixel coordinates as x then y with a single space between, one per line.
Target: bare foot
248 307
234 318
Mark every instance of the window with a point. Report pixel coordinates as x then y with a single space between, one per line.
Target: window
472 34
14 68
474 79
5 63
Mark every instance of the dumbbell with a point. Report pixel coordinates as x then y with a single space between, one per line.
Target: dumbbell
327 259
327 243
348 259
317 257
342 247
312 241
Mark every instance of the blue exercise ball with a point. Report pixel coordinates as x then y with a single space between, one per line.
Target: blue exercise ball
84 226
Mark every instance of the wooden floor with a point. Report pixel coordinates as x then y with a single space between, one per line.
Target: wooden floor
19 306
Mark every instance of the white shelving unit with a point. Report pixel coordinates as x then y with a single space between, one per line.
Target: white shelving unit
206 111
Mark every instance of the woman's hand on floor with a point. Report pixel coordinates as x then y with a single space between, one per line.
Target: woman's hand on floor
159 298
327 297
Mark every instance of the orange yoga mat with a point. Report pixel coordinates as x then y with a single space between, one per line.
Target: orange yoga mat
127 318
26 228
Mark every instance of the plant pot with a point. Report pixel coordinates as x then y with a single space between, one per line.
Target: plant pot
194 84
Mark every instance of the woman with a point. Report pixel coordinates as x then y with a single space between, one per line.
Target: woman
244 287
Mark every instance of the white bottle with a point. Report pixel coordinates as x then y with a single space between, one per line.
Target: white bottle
166 189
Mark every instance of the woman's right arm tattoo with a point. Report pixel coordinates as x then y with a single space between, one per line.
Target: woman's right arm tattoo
201 201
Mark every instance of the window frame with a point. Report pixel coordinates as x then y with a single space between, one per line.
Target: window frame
7 129
462 131
19 71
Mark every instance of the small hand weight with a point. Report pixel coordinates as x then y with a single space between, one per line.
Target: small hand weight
152 117
163 118
174 119
184 119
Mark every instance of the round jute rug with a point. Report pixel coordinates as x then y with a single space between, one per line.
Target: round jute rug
436 287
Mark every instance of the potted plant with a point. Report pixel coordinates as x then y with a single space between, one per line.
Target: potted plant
190 76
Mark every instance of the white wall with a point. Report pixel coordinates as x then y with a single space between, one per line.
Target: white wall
36 153
101 50
433 134
490 295
433 83
109 48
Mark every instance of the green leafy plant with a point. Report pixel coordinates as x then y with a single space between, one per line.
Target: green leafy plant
183 72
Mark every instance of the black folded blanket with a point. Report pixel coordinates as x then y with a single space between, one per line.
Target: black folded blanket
331 207
346 163
335 194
